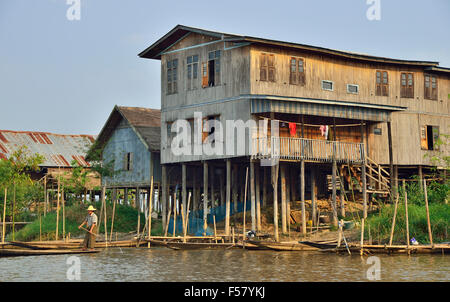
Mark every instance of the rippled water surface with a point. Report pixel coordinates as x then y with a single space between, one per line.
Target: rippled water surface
161 264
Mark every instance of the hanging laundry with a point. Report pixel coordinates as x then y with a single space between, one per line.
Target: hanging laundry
293 129
324 131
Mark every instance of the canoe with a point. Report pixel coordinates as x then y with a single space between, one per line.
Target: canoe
198 245
394 249
284 246
320 244
154 242
72 245
29 252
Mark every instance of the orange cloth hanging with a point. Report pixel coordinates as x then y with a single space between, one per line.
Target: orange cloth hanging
293 129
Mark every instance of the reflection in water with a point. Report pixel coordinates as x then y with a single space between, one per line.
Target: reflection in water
160 264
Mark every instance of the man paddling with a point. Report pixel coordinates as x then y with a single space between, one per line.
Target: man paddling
91 224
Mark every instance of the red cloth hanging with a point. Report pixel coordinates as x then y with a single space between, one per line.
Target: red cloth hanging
293 129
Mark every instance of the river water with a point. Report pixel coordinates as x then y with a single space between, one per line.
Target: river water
162 264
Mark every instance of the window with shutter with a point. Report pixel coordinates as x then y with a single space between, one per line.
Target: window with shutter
423 138
381 83
429 136
192 72
204 74
263 68
271 68
430 87
172 67
296 71
407 85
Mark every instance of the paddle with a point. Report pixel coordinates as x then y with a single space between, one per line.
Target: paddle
88 231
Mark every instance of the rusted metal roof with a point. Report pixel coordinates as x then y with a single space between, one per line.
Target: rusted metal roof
59 150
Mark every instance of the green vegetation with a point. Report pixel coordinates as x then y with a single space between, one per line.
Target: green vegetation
125 220
438 193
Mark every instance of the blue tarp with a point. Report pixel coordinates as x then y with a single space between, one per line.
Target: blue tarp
195 224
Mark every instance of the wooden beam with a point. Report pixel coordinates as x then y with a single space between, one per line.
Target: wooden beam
302 194
228 197
274 180
183 188
313 195
252 194
363 174
391 159
283 200
205 192
163 192
258 198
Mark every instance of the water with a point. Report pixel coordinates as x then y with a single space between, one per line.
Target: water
162 264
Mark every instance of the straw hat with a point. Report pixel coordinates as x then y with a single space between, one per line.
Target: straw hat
91 208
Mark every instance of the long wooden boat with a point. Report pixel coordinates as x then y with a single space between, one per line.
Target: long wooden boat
284 246
320 244
29 252
394 249
73 245
198 245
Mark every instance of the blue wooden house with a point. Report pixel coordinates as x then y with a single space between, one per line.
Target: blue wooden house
130 142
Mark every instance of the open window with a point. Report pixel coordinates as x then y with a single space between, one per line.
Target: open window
211 70
429 136
128 161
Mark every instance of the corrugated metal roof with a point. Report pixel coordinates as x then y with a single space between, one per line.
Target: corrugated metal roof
59 150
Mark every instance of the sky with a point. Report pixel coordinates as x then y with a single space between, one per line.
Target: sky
65 76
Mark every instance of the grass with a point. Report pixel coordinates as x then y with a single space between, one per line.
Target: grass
125 220
380 224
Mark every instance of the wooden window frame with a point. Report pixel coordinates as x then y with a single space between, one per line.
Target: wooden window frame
267 70
128 161
172 76
407 90
327 81
430 93
425 139
381 88
216 58
192 72
355 85
297 77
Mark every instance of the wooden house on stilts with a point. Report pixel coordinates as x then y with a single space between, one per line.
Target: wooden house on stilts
340 116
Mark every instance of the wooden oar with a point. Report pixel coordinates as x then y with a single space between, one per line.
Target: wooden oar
88 231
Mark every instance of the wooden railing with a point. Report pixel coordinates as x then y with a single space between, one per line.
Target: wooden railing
308 149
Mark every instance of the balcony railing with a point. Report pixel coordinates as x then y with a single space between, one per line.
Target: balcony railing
308 149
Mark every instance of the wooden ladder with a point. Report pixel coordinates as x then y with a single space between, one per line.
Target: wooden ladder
377 178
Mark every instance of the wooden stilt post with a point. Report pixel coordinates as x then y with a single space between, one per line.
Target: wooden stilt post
57 206
265 184
342 191
212 196
138 205
174 206
313 195
302 194
391 162
215 230
63 213
363 172
283 200
223 190
205 196
194 188
274 181
228 197
150 210
45 195
333 201
114 201
235 180
4 216
393 219
420 177
245 205
258 199
104 213
183 187
406 215
252 194
102 197
430 234
362 236
163 192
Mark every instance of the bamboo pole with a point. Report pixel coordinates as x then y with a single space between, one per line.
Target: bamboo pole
113 214
182 222
407 219
393 219
232 235
245 205
167 223
150 209
215 230
174 206
63 212
104 213
57 206
137 203
430 234
362 236
4 216
186 220
101 209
